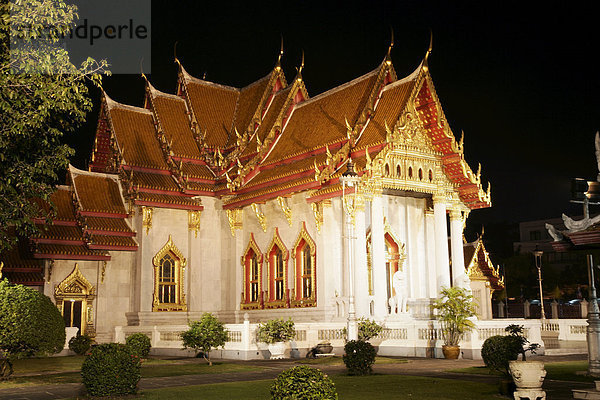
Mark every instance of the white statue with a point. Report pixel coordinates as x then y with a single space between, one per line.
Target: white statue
466 284
552 231
400 297
576 226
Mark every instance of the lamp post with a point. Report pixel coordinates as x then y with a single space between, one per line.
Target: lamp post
538 263
350 179
593 329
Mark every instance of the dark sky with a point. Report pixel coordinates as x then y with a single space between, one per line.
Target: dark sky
521 81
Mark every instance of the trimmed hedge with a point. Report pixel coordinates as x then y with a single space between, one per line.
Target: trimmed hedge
498 350
359 357
303 383
110 370
80 344
139 344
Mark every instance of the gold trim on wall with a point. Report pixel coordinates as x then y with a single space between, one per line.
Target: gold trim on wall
277 242
194 221
75 287
252 245
312 300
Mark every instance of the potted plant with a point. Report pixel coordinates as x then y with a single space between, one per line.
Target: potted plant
454 308
276 333
527 375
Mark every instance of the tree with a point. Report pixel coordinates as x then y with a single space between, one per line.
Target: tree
454 308
42 97
30 325
204 335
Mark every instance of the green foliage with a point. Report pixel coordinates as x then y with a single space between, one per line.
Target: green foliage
110 370
30 325
276 330
359 357
454 308
498 351
368 329
204 335
42 97
139 344
303 383
80 344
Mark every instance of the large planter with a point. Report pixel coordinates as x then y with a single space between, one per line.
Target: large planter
451 352
527 374
277 350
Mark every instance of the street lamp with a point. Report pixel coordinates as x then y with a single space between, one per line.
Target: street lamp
593 329
350 179
538 263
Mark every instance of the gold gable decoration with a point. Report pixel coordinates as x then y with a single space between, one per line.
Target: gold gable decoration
75 285
180 264
236 219
194 221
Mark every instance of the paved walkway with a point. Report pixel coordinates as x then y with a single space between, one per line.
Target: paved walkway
434 368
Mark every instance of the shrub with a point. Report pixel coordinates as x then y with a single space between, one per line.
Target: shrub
359 357
454 308
204 335
30 325
80 344
498 350
276 330
139 344
303 383
368 329
111 369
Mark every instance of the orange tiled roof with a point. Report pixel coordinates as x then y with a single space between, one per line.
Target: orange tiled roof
248 101
197 171
65 252
172 115
108 224
155 181
136 135
214 108
113 241
98 193
167 201
60 232
321 120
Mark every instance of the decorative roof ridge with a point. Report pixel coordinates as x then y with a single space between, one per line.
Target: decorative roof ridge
155 92
413 76
110 103
338 88
76 171
191 79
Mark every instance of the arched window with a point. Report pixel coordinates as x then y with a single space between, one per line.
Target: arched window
430 176
305 291
420 174
169 267
277 258
398 170
387 169
410 172
252 269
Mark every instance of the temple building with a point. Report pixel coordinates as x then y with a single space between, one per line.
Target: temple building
230 200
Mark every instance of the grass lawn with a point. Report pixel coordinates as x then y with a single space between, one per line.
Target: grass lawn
337 360
561 371
150 368
374 387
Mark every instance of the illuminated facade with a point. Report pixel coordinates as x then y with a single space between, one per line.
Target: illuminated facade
228 200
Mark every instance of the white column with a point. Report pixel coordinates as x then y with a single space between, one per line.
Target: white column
456 241
430 252
352 327
361 283
378 258
330 251
442 260
239 276
421 238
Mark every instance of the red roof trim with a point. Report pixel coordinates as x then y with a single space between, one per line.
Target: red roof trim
166 205
103 214
109 233
269 196
66 242
72 257
112 247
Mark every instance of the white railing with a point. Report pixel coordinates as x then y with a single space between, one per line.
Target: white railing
400 337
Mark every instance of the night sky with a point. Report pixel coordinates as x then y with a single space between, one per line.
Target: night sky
521 81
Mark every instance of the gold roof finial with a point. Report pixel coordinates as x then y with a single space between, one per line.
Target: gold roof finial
388 56
426 60
142 70
175 53
299 77
278 64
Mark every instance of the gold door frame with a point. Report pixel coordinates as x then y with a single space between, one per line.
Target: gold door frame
75 287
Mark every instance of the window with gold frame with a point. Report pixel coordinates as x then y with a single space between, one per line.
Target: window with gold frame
277 258
305 288
252 271
169 271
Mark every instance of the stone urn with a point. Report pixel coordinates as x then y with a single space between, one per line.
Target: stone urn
324 348
451 352
277 350
527 374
